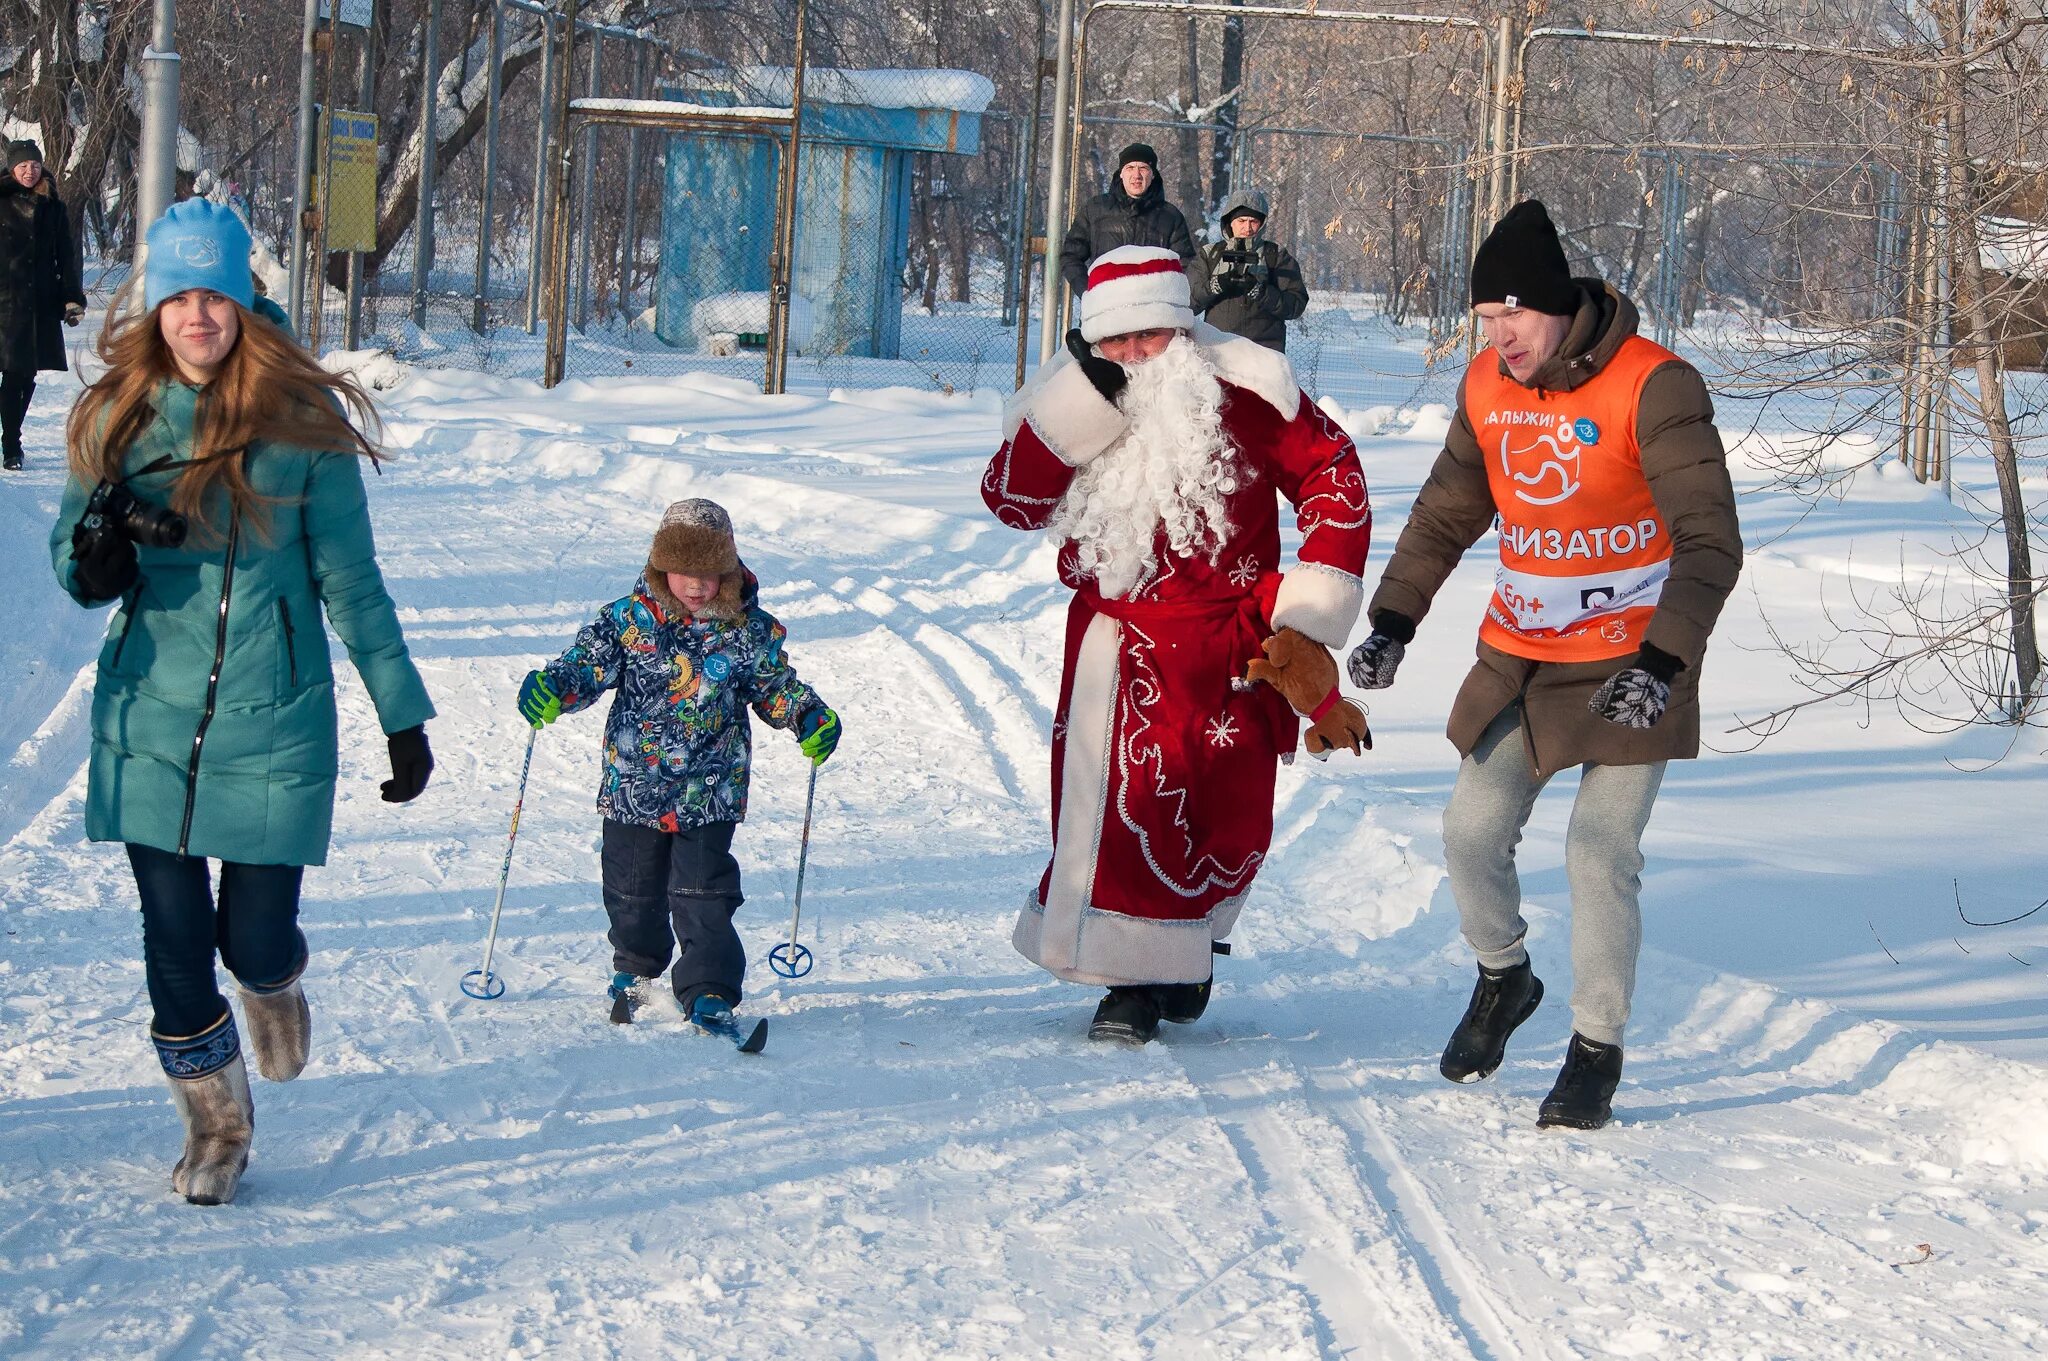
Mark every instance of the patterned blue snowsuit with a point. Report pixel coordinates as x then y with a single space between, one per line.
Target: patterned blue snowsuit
678 751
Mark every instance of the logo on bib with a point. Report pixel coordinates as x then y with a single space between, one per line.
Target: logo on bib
1545 471
1588 433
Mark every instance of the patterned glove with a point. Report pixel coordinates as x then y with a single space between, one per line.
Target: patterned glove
73 314
1107 375
411 763
1372 663
1637 695
820 735
1299 667
539 705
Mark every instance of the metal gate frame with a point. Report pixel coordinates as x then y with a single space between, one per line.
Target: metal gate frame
1493 96
661 115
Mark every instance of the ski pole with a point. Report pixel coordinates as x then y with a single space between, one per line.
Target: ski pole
488 986
791 960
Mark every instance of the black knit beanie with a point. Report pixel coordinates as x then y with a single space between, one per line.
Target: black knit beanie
1521 263
1137 151
19 153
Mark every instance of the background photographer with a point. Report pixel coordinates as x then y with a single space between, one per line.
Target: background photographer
1245 284
216 492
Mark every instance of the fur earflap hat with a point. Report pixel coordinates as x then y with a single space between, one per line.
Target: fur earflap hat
695 538
1135 288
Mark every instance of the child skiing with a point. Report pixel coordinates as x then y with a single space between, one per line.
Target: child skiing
689 651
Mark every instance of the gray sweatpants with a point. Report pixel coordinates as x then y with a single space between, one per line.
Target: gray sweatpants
1603 859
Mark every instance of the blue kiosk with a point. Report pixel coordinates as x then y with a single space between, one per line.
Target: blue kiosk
853 206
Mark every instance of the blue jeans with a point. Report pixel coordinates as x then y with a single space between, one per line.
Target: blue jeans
254 927
674 894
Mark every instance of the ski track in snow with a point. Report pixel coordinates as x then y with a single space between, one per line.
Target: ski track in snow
930 1160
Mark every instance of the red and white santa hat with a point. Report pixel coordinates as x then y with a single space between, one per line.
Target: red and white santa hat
1135 288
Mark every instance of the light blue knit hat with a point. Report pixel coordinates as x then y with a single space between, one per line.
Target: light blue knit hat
198 244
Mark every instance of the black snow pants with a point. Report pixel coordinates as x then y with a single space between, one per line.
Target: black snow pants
674 894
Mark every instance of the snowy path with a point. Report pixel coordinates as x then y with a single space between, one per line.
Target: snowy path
930 1160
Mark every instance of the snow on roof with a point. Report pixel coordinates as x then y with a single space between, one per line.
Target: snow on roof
957 91
2013 246
670 107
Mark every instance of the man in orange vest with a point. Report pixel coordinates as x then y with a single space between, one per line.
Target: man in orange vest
1596 450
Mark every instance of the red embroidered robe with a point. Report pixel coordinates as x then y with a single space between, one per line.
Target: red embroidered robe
1162 774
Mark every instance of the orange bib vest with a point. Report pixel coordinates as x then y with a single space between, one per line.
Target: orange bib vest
1583 551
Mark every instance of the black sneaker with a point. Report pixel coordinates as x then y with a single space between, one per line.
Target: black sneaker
1129 1015
11 461
1500 1002
1584 1094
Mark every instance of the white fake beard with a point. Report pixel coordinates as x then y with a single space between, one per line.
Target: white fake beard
1171 472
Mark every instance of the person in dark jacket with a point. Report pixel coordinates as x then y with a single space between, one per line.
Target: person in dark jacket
39 287
1245 284
214 730
1133 213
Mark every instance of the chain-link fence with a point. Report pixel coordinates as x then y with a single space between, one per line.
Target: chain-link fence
1363 133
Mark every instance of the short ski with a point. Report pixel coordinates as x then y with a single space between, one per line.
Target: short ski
750 1041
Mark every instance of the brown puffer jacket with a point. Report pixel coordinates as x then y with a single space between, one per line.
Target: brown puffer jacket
1687 472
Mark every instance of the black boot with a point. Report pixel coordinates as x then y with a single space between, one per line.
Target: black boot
1500 1002
1127 1014
1182 1003
1583 1096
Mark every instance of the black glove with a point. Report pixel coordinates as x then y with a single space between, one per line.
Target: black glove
1230 285
1107 375
103 564
411 763
1637 695
73 314
1373 662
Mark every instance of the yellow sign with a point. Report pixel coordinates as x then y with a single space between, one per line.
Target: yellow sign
351 198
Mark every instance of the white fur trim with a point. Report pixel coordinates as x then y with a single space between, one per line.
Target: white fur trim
1320 602
1264 373
1114 950
1067 412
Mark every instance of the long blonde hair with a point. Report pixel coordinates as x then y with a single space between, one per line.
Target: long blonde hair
267 389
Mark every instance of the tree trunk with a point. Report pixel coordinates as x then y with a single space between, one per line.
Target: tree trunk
1230 93
1983 346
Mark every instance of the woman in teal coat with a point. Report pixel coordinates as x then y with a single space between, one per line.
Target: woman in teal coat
213 723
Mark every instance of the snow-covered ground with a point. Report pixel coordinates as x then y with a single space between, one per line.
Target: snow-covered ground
1819 1152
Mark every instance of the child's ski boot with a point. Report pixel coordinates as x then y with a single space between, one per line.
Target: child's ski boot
625 995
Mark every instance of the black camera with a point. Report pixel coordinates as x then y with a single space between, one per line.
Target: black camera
114 508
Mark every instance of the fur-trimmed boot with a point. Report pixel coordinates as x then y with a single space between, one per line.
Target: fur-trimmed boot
280 1030
210 1087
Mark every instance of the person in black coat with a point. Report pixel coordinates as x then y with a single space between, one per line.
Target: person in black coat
39 287
1246 284
1133 213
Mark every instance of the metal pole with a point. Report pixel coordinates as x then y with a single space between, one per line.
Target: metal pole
543 128
479 310
319 315
1030 177
157 180
629 254
1497 163
557 163
423 215
352 328
585 210
1049 337
783 265
302 171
